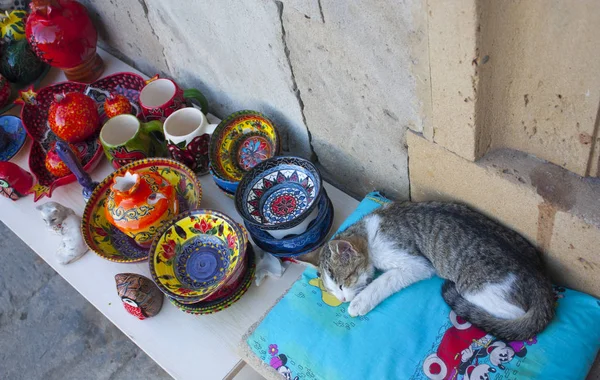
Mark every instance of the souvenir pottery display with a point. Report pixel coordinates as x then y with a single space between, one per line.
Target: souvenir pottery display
35 120
141 298
240 142
12 136
19 64
63 221
14 181
196 254
217 304
187 133
107 240
227 187
139 203
5 91
116 105
161 97
12 26
73 117
62 34
125 139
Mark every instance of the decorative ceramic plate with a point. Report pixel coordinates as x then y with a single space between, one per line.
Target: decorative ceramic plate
209 307
35 120
112 244
15 136
294 245
278 193
195 254
240 142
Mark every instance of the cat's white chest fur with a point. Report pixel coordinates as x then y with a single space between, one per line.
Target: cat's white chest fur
400 269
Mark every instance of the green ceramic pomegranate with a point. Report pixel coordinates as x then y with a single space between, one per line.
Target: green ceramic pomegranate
19 64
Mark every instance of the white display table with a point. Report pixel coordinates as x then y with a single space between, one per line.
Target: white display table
186 346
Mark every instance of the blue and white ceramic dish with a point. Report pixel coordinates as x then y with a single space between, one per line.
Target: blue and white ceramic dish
12 136
295 245
279 193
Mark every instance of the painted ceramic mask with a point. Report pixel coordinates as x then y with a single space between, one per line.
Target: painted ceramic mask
14 181
139 294
139 203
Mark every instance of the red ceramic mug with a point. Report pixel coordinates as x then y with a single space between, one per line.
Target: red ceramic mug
160 97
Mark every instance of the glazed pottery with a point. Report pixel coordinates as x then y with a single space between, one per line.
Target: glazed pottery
297 244
64 222
116 105
5 91
217 304
196 254
279 194
240 142
62 34
73 117
125 139
141 298
140 202
227 186
35 120
14 181
187 133
72 159
55 164
12 136
161 97
19 64
112 244
12 26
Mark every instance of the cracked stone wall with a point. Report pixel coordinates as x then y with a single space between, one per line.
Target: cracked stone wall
343 80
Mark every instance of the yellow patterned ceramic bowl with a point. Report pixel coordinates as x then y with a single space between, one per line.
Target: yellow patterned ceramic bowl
196 253
241 141
110 243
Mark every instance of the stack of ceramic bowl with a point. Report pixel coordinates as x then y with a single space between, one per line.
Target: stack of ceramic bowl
240 142
284 206
202 261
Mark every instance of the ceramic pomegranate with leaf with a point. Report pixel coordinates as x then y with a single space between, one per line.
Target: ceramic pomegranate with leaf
116 105
73 117
55 165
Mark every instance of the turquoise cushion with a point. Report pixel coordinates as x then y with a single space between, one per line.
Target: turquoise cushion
414 335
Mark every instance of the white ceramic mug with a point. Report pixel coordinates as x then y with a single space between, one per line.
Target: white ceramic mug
187 133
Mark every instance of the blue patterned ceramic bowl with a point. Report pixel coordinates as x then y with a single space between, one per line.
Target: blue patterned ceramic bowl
227 186
279 194
295 245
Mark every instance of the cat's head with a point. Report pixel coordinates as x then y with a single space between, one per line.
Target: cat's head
345 268
53 213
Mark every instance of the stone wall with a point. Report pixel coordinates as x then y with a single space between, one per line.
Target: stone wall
343 80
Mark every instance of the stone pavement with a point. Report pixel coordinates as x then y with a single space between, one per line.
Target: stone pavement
49 331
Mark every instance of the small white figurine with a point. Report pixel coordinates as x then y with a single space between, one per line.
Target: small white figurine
63 221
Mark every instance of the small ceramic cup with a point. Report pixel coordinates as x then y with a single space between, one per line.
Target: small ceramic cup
125 139
161 97
187 132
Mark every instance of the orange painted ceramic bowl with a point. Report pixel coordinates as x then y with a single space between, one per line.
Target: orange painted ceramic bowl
108 241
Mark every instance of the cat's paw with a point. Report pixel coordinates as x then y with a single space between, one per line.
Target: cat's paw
359 306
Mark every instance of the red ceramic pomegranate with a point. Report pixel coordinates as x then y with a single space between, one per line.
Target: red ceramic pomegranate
55 165
62 34
73 117
116 105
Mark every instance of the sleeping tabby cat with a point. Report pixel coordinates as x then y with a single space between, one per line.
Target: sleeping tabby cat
495 278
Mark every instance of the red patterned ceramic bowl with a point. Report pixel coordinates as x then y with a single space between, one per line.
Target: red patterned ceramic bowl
35 120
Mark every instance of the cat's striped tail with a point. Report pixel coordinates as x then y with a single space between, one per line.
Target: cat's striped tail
537 317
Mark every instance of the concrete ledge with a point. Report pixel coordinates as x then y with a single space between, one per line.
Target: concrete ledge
552 207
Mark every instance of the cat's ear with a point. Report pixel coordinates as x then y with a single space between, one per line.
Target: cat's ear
342 250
